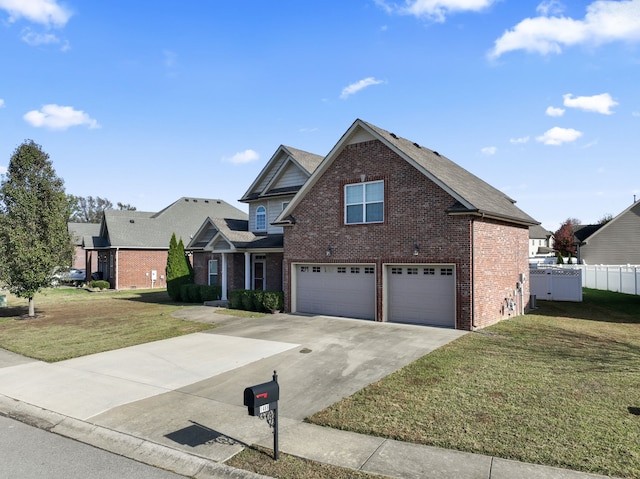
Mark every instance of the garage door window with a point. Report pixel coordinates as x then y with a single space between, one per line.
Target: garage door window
364 203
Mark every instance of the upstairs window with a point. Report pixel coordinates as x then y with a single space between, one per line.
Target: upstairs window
261 218
364 203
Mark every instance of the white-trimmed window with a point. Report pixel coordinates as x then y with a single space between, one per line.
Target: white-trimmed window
364 203
261 218
213 272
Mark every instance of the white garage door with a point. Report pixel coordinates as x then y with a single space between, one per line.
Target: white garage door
336 290
422 294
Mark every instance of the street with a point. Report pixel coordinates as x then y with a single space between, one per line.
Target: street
28 452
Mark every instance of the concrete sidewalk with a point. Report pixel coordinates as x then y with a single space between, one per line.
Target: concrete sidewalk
177 404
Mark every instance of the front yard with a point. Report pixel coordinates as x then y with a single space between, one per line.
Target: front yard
73 322
560 387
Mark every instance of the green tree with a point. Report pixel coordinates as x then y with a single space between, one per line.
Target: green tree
87 209
34 211
178 269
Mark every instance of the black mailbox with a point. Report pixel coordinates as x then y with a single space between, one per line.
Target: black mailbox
262 398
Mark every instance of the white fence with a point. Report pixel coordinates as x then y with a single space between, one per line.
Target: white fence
621 279
556 284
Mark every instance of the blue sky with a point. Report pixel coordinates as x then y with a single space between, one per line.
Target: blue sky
145 102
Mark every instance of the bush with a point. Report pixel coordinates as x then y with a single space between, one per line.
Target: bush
99 284
190 293
273 300
256 300
210 293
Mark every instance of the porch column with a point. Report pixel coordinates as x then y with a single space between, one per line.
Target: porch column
247 270
223 294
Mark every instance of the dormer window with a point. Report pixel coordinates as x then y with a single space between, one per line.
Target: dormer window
261 218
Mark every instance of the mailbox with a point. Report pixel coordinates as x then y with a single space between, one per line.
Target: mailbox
262 398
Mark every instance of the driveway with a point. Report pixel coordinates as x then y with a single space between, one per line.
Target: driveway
189 390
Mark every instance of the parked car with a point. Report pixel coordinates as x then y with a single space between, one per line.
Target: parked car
74 276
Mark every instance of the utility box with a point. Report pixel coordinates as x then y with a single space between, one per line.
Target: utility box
262 398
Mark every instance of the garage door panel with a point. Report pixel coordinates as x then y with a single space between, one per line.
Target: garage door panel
423 294
336 290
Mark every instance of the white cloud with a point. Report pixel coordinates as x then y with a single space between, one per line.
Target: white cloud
635 113
2 105
550 7
35 39
56 117
489 150
605 21
599 103
357 86
519 141
435 10
3 170
44 12
242 157
557 136
553 111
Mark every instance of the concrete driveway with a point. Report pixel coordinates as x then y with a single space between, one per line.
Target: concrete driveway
188 391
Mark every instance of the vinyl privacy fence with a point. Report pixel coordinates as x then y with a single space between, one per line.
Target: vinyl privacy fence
556 283
618 278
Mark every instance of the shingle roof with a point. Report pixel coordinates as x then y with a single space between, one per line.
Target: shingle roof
473 194
582 232
309 161
146 230
79 230
538 232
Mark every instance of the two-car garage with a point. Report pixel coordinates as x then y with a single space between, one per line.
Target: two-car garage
413 293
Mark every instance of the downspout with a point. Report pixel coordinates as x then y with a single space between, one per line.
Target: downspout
473 277
117 269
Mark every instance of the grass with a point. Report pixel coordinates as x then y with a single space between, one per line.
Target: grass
72 322
560 387
240 313
260 461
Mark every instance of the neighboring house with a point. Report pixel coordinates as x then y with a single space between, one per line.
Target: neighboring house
132 246
78 232
615 242
388 230
248 254
540 242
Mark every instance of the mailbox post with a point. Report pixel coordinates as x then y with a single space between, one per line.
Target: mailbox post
262 401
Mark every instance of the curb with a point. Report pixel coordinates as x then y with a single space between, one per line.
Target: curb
140 450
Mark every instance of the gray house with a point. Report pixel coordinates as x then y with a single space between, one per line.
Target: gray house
616 242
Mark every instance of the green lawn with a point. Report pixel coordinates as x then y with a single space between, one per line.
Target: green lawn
560 387
72 322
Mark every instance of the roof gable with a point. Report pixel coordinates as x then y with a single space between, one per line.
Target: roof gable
140 230
472 195
630 215
285 172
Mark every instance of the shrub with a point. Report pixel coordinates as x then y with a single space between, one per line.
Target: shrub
273 300
235 298
247 299
210 293
190 293
99 284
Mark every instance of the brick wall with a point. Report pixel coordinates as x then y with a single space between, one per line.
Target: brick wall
414 213
133 265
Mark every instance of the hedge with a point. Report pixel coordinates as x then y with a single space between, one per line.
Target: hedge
199 293
256 300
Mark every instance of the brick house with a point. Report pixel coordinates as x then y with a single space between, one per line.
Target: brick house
132 246
79 231
388 230
247 254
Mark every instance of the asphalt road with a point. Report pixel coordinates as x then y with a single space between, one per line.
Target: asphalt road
28 452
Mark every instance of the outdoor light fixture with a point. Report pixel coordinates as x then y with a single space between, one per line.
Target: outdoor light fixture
416 249
329 250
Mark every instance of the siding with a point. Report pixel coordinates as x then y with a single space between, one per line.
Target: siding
618 242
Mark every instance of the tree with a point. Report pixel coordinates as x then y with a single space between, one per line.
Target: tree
178 268
563 240
34 211
90 210
605 219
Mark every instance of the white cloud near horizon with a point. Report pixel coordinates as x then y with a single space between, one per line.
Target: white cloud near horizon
557 136
519 141
57 117
489 150
45 12
357 86
605 21
597 103
435 10
553 111
242 157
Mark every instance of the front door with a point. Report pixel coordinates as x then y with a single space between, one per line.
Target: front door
258 275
